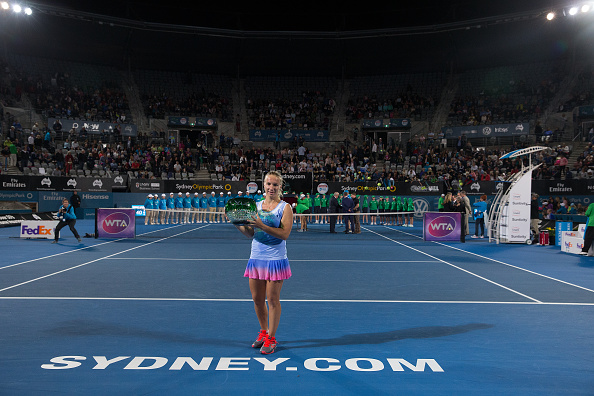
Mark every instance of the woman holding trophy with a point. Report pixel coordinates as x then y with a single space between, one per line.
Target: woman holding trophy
268 223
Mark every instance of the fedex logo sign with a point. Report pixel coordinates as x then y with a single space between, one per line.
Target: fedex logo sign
38 229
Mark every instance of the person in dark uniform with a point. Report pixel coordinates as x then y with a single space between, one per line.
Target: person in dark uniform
75 202
333 207
348 207
534 218
67 218
460 206
589 234
356 217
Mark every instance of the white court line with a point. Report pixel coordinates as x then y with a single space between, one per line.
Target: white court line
78 250
249 300
455 266
305 261
501 262
99 259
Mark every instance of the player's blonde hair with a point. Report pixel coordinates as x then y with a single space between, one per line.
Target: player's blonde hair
280 178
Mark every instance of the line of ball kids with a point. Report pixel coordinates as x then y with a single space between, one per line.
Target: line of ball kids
183 208
210 208
318 206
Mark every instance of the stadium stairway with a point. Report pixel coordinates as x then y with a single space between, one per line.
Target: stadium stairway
12 170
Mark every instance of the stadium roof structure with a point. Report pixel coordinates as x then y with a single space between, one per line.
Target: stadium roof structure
524 151
324 16
287 38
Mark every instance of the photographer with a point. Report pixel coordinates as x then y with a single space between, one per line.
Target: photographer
67 218
460 206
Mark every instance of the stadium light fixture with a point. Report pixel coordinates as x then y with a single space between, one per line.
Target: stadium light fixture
586 7
550 16
573 10
15 7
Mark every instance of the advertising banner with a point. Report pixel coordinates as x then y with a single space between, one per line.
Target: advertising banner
38 229
560 228
289 135
61 183
571 242
94 127
586 111
386 123
20 196
200 186
545 188
370 188
96 200
15 219
515 217
115 223
191 122
120 183
50 201
484 187
139 210
298 182
482 131
146 186
441 226
16 182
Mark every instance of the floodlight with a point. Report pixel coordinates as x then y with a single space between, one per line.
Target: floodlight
4 5
28 11
573 10
17 8
550 16
586 8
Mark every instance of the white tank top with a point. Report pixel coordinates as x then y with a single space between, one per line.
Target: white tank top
266 246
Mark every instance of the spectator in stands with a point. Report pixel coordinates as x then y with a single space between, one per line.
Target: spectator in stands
5 157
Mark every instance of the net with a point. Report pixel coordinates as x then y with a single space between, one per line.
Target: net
193 224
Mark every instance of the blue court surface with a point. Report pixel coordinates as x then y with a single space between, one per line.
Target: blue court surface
379 313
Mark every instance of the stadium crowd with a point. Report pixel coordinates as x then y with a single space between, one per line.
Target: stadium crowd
313 109
409 104
62 98
195 105
157 156
419 159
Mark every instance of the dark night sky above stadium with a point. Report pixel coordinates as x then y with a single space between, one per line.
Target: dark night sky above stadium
305 15
297 37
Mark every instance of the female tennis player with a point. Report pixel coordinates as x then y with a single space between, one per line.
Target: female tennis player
268 265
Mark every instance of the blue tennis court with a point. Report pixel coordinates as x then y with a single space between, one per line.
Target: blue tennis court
381 312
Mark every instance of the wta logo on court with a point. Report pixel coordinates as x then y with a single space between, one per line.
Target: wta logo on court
441 226
115 223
